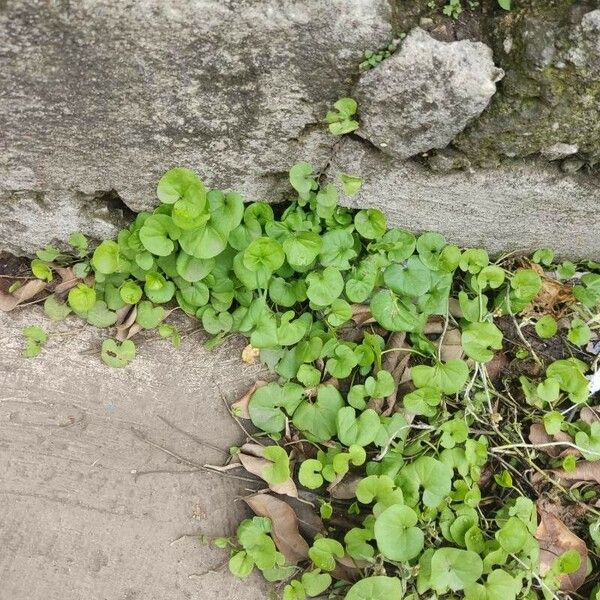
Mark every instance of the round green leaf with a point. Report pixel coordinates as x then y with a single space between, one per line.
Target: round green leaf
397 537
396 314
130 292
241 565
378 587
117 355
412 279
453 569
100 316
315 582
370 223
449 377
205 242
324 286
302 180
302 249
56 310
546 327
106 257
157 288
149 316
309 474
180 184
579 332
479 338
318 419
155 237
82 298
263 255
267 404
41 270
429 247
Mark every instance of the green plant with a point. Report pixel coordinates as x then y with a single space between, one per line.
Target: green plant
453 9
340 307
342 120
371 58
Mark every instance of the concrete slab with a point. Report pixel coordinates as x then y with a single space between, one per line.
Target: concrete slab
78 518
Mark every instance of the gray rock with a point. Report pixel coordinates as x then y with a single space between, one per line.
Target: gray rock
425 94
448 159
107 95
572 165
31 220
521 206
559 150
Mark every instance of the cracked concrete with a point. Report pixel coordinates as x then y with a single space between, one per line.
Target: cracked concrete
75 520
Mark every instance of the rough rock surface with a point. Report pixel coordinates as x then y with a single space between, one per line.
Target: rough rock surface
31 220
425 94
520 206
550 52
78 516
100 95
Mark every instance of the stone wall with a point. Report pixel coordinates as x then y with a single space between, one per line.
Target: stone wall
99 97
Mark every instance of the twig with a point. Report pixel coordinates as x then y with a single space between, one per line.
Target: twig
240 425
183 459
191 435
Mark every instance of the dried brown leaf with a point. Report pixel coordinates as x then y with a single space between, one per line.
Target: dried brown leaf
555 538
538 435
126 315
589 414
584 471
435 325
451 345
241 406
361 314
454 308
497 365
10 301
391 359
346 488
284 523
554 298
253 460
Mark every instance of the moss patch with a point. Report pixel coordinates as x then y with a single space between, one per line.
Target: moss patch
550 93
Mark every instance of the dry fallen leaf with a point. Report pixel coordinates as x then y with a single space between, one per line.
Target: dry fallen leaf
240 407
538 435
284 522
250 354
454 308
390 359
25 292
126 315
555 538
451 345
435 325
589 414
497 366
554 297
126 325
253 460
584 471
345 489
69 280
361 314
